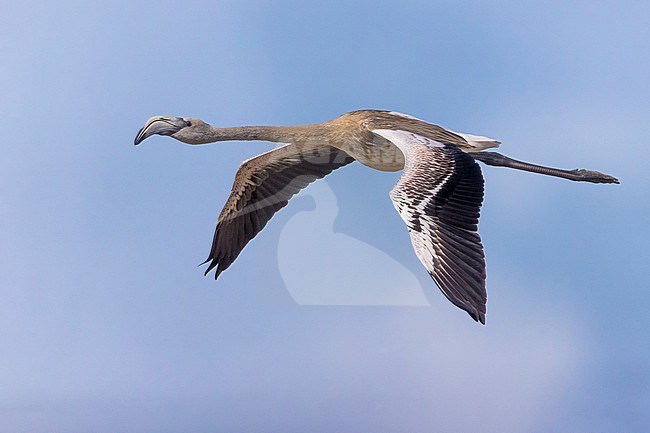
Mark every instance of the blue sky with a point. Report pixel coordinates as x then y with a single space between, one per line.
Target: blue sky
106 323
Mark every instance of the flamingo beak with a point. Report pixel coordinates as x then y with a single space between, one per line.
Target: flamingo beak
160 125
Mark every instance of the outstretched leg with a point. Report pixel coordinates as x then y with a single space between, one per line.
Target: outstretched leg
580 175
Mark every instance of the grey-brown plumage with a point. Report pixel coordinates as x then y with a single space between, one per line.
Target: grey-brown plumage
263 185
439 194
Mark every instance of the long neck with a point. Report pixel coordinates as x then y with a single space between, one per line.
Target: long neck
279 134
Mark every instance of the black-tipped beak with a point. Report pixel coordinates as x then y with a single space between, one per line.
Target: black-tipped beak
161 125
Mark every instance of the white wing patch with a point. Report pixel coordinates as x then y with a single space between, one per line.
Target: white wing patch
408 116
405 139
408 143
478 141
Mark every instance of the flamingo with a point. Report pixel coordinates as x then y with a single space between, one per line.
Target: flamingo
439 194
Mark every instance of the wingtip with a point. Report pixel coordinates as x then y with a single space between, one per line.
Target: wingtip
478 316
211 266
203 263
